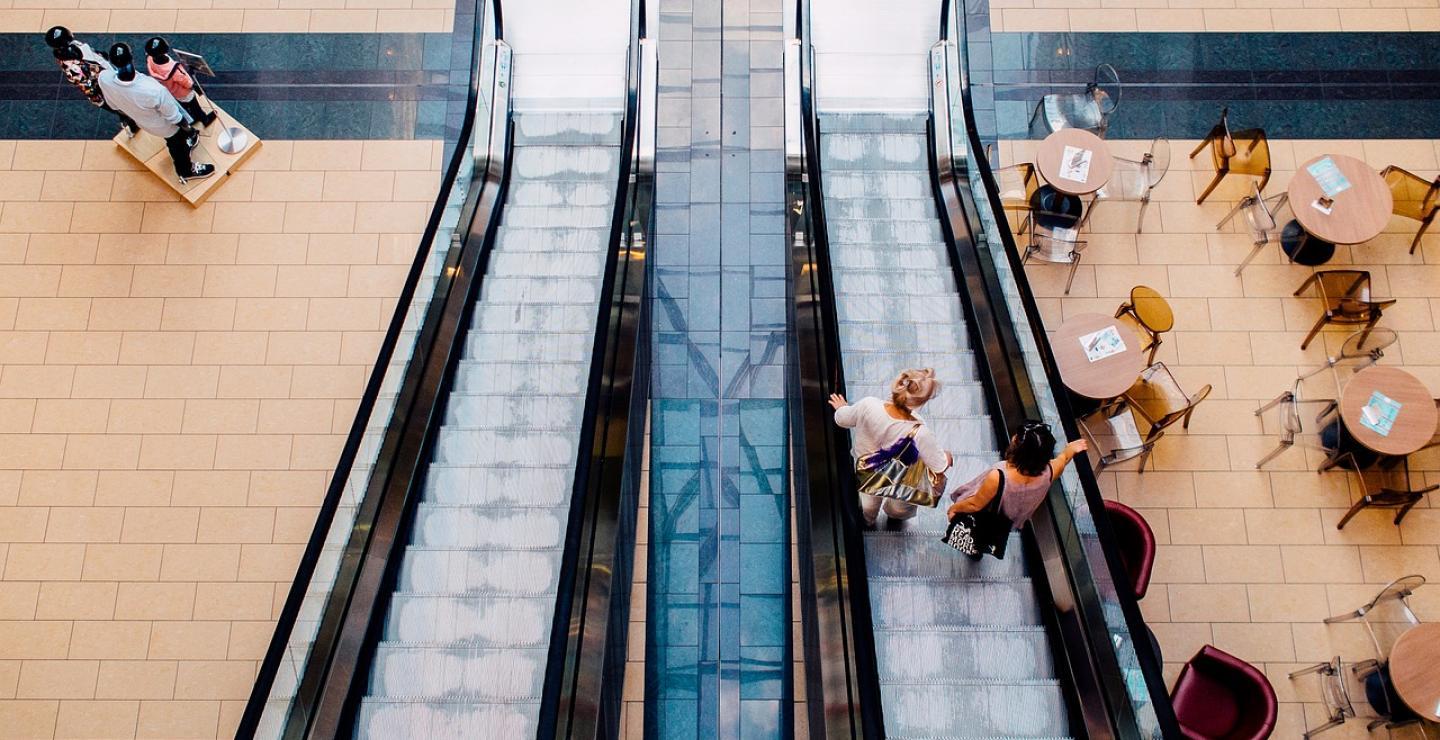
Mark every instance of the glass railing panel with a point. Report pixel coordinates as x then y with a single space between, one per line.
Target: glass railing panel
303 634
1088 565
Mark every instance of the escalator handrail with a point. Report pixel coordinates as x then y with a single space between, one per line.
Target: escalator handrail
1149 662
838 629
251 718
585 668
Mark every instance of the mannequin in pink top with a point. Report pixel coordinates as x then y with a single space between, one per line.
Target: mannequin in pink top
169 72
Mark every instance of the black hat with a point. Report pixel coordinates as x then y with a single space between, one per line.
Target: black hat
120 55
157 48
58 37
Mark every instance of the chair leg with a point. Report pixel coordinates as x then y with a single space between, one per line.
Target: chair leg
1074 265
1368 327
1400 515
1145 203
1313 331
1415 244
1355 509
1264 180
1124 308
1358 613
1219 175
1317 668
1203 142
1250 257
1332 724
1242 205
1155 347
1308 281
1283 446
1276 401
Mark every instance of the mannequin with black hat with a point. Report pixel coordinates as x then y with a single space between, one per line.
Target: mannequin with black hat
175 76
154 109
82 66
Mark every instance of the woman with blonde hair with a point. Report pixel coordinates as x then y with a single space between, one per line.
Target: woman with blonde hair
880 424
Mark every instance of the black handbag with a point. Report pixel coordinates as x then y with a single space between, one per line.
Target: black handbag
984 532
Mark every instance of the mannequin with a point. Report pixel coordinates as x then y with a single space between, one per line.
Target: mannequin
82 66
176 78
153 109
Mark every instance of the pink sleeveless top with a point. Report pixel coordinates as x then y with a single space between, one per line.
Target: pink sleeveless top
1020 500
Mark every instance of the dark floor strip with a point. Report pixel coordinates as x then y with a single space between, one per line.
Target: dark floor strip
282 86
1294 85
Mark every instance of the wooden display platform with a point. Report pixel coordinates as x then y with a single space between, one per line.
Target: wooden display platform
150 151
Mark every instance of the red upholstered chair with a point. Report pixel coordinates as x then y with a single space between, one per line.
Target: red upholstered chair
1220 697
1136 542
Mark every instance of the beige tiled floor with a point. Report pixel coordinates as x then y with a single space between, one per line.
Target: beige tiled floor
1214 15
1250 560
229 16
175 385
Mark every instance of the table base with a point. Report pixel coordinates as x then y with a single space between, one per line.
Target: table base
1304 248
1054 209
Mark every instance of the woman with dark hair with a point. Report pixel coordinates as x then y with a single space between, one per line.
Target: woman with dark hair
1024 476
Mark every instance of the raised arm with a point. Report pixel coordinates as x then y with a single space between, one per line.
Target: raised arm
846 415
1057 466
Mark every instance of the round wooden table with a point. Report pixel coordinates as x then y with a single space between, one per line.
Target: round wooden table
1415 422
1415 669
1102 379
1358 214
1058 197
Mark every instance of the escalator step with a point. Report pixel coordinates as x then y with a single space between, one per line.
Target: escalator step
889 282
835 122
500 344
558 218
600 128
903 208
591 193
540 289
936 653
975 710
906 556
532 163
533 317
458 674
564 378
518 239
384 720
481 621
867 257
880 185
490 528
925 602
431 571
868 151
902 308
497 411
501 484
516 264
882 231
863 334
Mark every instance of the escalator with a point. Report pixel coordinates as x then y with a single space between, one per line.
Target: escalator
466 639
899 262
974 631
469 574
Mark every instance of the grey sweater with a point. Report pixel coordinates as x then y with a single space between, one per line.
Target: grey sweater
146 101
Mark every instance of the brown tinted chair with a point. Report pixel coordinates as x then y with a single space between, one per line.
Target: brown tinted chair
1346 295
1151 312
1241 152
1415 197
1160 399
1017 184
1376 494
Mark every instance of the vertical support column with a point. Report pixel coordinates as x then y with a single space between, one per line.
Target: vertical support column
718 634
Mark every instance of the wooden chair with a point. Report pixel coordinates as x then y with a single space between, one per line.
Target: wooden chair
1241 152
1347 299
1415 197
1151 312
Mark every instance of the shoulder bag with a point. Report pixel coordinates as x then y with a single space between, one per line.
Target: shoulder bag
898 472
984 532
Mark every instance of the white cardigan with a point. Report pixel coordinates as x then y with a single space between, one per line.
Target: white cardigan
875 428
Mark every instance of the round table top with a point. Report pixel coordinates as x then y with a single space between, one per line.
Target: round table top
1152 308
1051 152
1415 669
1360 212
1102 379
1415 422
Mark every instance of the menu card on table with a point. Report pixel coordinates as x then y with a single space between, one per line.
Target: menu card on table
1075 163
1101 344
1378 414
1328 176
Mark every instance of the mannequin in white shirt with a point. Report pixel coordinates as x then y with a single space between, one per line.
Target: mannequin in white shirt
154 109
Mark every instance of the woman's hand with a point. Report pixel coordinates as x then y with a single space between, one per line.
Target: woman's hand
952 511
1077 447
838 401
